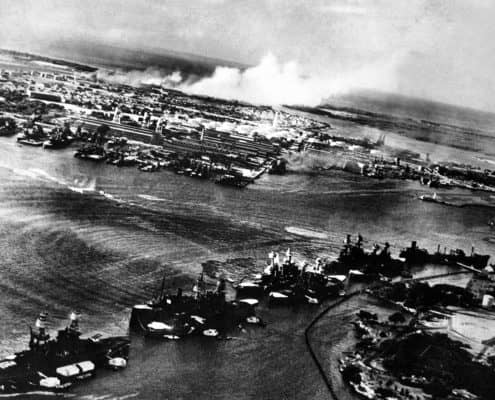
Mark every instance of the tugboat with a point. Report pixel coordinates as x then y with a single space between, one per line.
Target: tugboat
56 364
431 199
205 313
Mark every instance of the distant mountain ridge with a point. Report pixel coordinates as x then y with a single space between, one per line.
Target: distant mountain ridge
416 108
111 56
57 61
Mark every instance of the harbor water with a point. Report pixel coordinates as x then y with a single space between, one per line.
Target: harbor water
97 238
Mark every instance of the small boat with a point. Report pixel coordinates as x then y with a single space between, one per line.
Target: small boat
253 320
95 157
210 332
117 363
312 300
199 320
171 337
430 199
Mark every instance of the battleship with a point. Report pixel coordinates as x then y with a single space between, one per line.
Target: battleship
286 283
56 364
207 313
114 240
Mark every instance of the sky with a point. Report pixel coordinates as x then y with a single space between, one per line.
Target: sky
436 49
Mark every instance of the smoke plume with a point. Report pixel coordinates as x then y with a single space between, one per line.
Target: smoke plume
273 83
137 78
269 83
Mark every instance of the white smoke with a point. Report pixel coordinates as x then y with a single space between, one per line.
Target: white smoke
270 82
150 76
275 83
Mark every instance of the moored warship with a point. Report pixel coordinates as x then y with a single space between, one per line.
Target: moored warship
287 283
56 364
208 313
59 138
370 264
34 136
418 256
